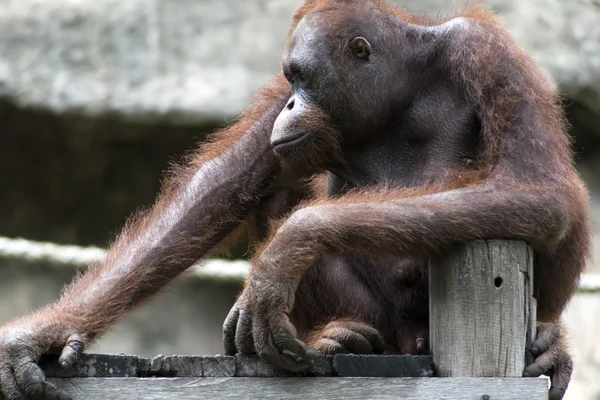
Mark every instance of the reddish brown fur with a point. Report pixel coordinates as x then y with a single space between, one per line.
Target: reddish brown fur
523 186
91 321
532 155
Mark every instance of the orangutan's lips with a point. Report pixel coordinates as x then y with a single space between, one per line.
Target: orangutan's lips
286 142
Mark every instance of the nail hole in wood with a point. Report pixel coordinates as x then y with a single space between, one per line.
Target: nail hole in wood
498 282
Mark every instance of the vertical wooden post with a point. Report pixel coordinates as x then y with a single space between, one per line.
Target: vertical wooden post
482 313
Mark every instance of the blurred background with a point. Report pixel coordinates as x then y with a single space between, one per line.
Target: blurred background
98 97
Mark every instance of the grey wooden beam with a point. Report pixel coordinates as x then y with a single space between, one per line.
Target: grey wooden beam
393 366
305 388
482 313
102 376
124 366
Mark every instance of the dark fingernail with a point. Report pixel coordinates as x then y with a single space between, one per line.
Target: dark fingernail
65 364
532 371
535 351
313 353
556 393
540 344
64 396
294 356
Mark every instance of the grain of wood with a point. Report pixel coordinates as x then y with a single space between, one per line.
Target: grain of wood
481 309
305 388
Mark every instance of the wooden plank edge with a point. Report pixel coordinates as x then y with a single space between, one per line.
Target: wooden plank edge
305 388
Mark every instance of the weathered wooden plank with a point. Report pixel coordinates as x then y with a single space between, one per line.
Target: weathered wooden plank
480 309
375 366
305 388
124 366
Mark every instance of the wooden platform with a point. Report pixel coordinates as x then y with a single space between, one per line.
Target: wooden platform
344 377
482 320
306 388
